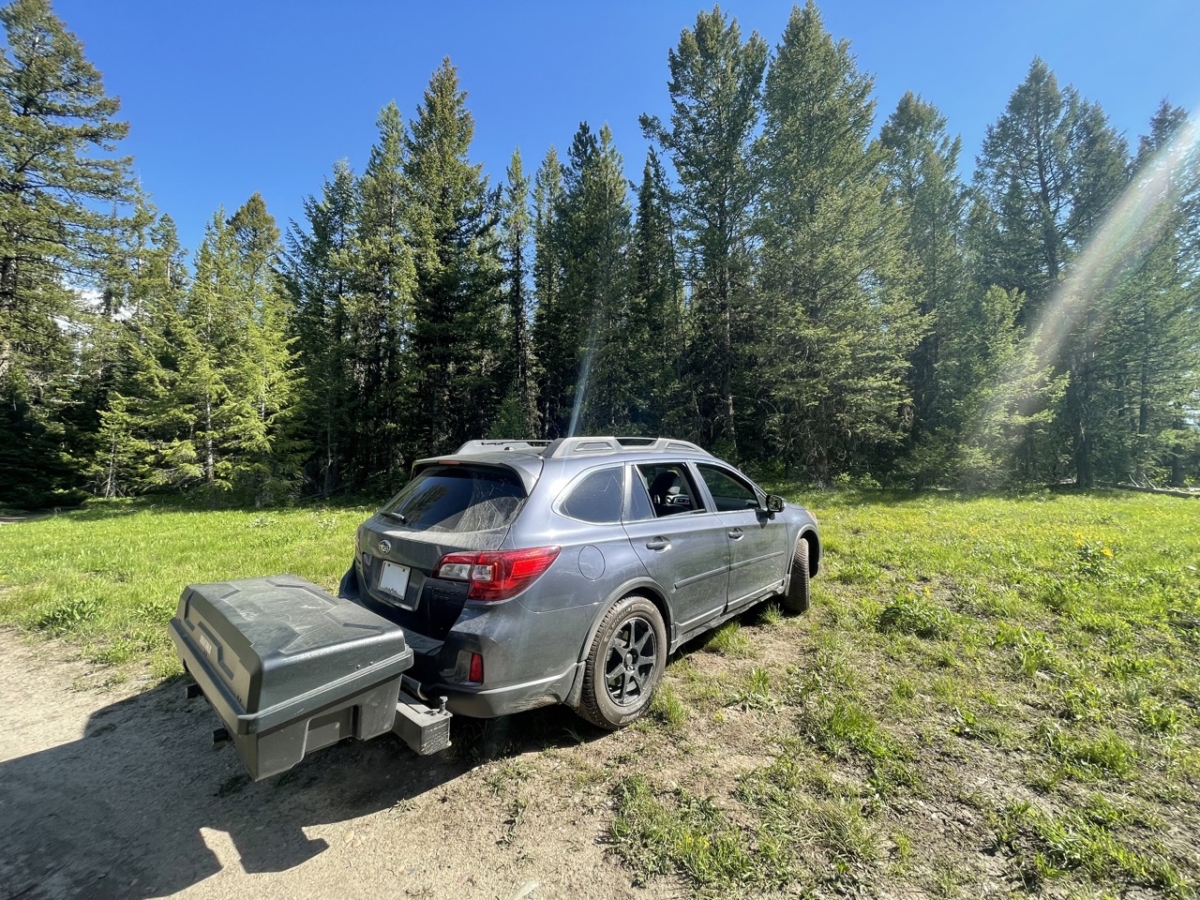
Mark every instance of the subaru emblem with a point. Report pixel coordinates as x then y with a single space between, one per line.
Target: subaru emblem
385 546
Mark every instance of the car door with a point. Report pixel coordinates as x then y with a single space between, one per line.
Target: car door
757 543
680 541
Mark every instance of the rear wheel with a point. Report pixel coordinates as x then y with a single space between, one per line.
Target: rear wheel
625 664
796 599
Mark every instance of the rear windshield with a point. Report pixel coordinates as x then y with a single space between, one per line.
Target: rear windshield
458 498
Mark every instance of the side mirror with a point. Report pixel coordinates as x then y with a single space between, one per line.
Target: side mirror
774 503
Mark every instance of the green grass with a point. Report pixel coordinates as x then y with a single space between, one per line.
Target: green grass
108 577
965 653
1016 678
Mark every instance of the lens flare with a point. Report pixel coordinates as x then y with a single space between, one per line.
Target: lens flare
585 371
1128 231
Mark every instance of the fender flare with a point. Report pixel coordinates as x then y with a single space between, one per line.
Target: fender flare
642 584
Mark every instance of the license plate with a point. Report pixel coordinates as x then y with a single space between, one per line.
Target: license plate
394 579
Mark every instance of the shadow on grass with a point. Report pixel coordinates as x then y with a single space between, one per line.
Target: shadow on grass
120 812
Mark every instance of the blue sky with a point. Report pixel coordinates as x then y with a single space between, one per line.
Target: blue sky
225 99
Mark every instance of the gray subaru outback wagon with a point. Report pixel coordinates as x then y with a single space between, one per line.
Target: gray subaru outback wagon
526 573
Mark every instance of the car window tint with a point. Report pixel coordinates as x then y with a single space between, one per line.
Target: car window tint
639 499
597 498
728 493
670 488
458 499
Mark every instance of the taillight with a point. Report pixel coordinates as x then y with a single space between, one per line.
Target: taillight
496 574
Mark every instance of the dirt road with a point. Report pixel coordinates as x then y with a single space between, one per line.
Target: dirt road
116 792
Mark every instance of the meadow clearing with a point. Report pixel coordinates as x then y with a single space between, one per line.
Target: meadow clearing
991 696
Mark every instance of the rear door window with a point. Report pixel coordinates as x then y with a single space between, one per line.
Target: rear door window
670 488
458 499
597 498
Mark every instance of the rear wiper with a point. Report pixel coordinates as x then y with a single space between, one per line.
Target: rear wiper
396 517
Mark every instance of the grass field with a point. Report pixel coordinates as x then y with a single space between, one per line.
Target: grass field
990 696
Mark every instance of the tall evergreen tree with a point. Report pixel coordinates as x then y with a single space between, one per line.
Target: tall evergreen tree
595 237
267 379
715 82
1051 167
59 182
318 273
453 218
1151 358
1024 175
657 325
382 284
922 168
843 323
208 404
553 336
139 412
518 415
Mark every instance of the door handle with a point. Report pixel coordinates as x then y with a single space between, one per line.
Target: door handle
658 544
736 534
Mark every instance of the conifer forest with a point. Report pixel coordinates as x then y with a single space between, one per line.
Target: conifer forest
802 283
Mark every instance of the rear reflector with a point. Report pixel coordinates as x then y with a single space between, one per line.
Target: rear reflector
496 574
476 673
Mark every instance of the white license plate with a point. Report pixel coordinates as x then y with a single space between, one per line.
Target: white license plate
394 579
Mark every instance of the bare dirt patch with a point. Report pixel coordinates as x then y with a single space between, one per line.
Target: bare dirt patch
116 793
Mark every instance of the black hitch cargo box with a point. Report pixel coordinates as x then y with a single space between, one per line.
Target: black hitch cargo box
289 668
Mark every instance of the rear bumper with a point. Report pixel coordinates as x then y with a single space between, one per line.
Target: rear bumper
440 665
489 703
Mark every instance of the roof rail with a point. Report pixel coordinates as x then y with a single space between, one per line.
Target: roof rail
471 448
573 446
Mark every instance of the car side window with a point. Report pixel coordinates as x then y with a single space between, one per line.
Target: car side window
730 494
670 488
598 498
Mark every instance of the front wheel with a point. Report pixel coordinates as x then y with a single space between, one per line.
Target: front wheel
797 597
625 664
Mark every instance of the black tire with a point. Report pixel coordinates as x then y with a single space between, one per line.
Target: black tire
624 665
797 597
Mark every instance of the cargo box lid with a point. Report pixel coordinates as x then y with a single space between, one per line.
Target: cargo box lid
271 649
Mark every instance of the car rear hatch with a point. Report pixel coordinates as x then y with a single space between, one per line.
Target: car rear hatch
449 507
290 669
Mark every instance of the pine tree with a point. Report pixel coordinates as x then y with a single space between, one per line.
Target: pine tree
1051 167
208 336
714 86
843 323
267 380
594 227
382 283
657 330
999 395
518 414
924 183
59 181
318 273
136 415
1150 356
1024 175
453 218
553 338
